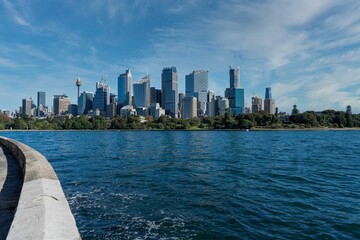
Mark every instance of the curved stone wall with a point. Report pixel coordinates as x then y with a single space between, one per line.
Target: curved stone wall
43 211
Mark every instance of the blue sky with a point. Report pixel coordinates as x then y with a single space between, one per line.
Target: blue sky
307 51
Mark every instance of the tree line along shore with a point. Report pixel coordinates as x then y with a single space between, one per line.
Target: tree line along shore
260 120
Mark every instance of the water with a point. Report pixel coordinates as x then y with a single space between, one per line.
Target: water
207 185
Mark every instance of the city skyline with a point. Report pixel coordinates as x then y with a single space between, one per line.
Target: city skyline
307 52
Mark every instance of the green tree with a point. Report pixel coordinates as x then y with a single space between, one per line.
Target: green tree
295 110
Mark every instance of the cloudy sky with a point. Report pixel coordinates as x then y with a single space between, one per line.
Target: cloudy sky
307 51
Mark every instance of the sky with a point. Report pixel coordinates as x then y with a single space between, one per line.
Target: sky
307 51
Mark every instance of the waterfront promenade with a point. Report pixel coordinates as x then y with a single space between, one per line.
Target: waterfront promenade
11 180
32 202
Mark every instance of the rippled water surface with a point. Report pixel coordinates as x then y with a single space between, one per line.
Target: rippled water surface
207 185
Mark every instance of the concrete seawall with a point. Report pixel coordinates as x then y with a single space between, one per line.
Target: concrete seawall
43 211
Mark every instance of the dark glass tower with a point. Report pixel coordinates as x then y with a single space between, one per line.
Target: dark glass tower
234 77
169 88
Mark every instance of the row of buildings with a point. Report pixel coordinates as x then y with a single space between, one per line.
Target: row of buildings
141 99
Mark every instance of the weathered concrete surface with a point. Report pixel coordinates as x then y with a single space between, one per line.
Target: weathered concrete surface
11 181
45 208
43 211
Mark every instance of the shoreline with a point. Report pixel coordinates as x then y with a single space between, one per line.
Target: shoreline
193 130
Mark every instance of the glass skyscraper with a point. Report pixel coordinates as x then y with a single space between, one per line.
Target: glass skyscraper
234 77
124 88
142 92
85 102
235 94
41 98
169 88
196 85
101 98
269 103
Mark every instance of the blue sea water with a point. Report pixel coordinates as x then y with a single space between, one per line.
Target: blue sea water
207 184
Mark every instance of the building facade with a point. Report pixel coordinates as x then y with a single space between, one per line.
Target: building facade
189 107
196 85
85 102
169 89
155 110
61 104
235 94
210 108
142 92
234 77
256 104
41 101
269 102
101 98
224 104
124 88
26 107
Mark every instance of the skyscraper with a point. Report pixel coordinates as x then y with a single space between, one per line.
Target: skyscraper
196 85
61 104
102 97
124 88
234 77
41 98
235 94
181 97
169 88
155 95
26 107
85 102
142 92
269 103
210 108
256 104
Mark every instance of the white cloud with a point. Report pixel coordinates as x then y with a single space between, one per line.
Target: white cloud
17 15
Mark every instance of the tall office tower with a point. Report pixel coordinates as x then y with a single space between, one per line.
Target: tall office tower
269 102
181 96
256 105
85 102
236 97
210 106
235 94
155 95
26 107
196 85
113 98
61 104
142 92
189 109
101 97
224 104
152 95
234 77
41 98
169 88
124 88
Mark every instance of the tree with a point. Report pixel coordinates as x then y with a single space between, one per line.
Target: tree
295 110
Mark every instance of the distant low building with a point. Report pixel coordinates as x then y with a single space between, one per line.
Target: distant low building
127 111
156 111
